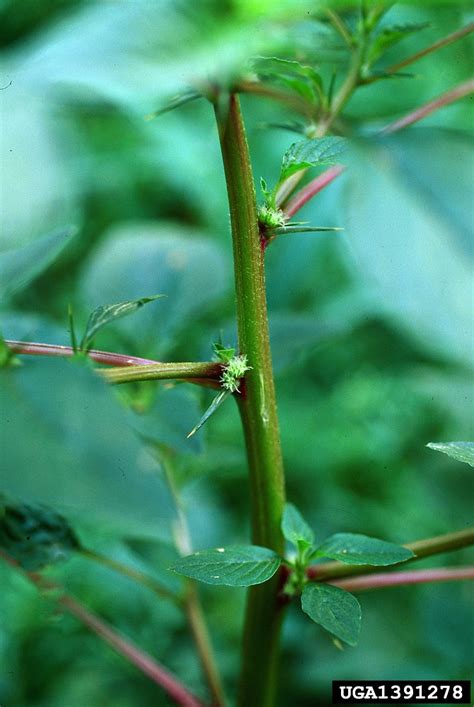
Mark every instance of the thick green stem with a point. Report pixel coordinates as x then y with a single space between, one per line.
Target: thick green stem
162 371
257 406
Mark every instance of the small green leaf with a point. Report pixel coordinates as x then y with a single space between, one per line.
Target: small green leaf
104 314
294 527
334 609
236 566
390 36
174 102
314 152
357 549
35 536
302 79
462 451
216 403
7 357
223 353
20 266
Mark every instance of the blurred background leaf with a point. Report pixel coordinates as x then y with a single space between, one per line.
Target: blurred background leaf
361 388
69 446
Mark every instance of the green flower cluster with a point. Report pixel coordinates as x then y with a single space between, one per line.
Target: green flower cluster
234 370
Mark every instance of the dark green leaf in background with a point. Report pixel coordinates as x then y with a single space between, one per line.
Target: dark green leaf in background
410 230
67 443
358 549
146 257
462 451
236 566
388 37
35 536
334 609
18 267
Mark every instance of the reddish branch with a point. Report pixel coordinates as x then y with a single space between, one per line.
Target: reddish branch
105 357
395 579
127 369
449 39
144 662
311 189
445 99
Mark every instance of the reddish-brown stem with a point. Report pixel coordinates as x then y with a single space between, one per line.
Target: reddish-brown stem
144 662
130 368
105 357
396 579
311 189
464 89
449 39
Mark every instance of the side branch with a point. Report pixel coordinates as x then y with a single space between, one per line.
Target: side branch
130 369
449 39
144 662
422 548
32 348
164 371
461 91
396 579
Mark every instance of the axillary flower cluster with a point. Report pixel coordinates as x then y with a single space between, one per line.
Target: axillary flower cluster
234 369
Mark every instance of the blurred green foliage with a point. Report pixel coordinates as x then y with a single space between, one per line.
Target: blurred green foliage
371 333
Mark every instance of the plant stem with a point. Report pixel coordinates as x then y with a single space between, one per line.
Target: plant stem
422 548
340 26
449 39
191 601
312 188
136 575
257 405
396 579
292 101
202 640
129 369
111 359
144 662
163 371
464 89
347 89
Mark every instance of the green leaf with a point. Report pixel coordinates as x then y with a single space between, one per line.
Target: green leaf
334 609
462 451
19 266
216 403
35 536
7 357
294 527
68 444
390 36
236 566
179 100
104 314
357 549
223 353
168 419
302 79
409 225
143 257
314 152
